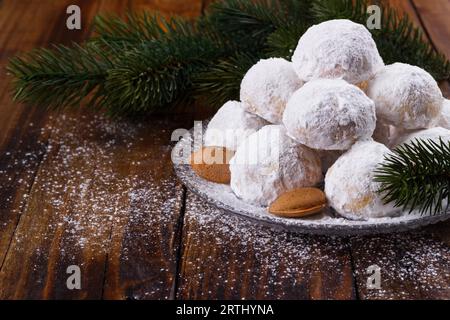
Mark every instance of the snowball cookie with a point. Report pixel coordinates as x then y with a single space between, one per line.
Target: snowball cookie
329 115
429 134
269 163
337 49
231 125
267 87
405 96
349 184
444 117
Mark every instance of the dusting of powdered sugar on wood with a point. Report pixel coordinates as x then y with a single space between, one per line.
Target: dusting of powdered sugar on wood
250 261
104 190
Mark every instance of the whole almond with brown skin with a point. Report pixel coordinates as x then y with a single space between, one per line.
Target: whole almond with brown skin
212 164
299 203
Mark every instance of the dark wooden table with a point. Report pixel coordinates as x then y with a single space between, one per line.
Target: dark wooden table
79 189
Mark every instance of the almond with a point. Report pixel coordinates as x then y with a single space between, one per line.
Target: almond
298 203
212 164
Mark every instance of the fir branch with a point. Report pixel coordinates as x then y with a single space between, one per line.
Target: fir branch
222 81
62 76
244 20
157 73
417 176
137 29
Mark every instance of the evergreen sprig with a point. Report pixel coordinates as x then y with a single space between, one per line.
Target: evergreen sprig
416 176
145 62
61 76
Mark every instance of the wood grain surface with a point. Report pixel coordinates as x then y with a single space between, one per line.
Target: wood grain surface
77 188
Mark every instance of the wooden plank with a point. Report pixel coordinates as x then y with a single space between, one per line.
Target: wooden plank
25 25
226 257
189 9
142 261
51 27
102 185
413 265
98 174
434 17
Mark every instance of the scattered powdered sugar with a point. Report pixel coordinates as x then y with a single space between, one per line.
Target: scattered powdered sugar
99 181
337 49
231 125
267 87
329 115
405 96
269 163
412 266
253 261
349 184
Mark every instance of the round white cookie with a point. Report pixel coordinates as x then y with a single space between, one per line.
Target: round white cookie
231 125
269 163
405 96
267 87
329 115
428 134
349 184
444 117
337 49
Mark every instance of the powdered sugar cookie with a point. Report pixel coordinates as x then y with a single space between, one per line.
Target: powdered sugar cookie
349 184
231 125
444 117
329 115
405 96
267 87
337 49
428 134
269 163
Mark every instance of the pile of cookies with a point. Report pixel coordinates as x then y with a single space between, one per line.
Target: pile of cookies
328 116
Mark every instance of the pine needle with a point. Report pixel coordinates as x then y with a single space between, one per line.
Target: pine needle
416 176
